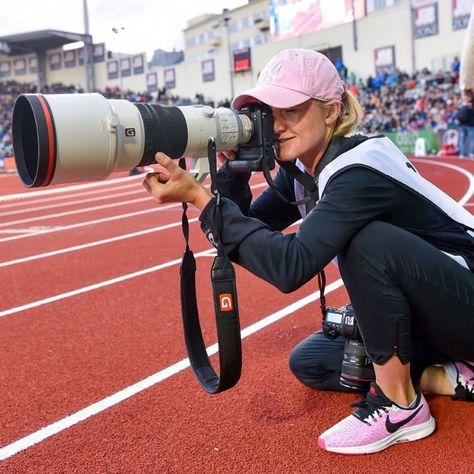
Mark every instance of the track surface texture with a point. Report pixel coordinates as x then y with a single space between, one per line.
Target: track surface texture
94 374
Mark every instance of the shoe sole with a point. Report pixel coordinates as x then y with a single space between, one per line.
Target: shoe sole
404 435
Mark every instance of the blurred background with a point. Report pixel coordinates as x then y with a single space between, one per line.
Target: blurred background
399 57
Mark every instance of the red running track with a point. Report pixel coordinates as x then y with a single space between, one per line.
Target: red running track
94 373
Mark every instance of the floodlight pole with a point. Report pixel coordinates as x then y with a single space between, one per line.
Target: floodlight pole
413 39
119 43
88 49
41 60
226 19
354 28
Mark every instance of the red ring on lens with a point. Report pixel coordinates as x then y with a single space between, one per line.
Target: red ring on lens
51 142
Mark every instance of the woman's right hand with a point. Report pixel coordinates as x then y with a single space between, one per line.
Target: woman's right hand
176 185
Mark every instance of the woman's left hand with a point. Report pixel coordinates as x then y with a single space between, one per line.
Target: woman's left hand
177 186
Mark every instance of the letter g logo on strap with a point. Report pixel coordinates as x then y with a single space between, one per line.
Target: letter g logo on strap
225 302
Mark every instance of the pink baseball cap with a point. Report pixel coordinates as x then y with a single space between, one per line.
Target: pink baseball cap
292 77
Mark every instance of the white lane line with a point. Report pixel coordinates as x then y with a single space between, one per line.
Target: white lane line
72 203
11 200
23 203
117 238
95 286
470 190
82 210
128 392
26 230
92 222
105 219
66 189
93 244
462 201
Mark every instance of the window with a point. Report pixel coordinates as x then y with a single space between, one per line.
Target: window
69 58
19 66
5 68
125 67
55 61
244 22
259 39
259 16
191 42
374 5
208 70
233 26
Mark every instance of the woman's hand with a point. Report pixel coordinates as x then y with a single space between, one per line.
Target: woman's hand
222 156
177 186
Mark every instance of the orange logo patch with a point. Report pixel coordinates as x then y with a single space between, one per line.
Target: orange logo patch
225 301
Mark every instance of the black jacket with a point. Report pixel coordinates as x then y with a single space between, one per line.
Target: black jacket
352 199
465 114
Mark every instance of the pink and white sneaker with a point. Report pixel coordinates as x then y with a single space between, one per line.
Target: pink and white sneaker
462 379
377 424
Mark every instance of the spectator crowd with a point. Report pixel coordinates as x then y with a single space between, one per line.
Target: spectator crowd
392 102
398 102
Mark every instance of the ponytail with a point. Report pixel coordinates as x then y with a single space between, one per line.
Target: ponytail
350 117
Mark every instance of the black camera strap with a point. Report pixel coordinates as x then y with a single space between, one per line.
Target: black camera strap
303 178
328 332
225 305
322 287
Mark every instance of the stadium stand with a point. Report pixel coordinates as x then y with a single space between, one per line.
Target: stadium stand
393 103
405 106
398 102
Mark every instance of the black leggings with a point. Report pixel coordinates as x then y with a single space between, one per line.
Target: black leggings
316 361
410 299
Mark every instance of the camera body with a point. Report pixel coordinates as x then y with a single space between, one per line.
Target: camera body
356 370
341 322
259 151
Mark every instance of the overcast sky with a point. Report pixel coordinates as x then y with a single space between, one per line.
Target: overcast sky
147 24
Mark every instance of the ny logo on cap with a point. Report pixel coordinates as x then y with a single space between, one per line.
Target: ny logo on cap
270 72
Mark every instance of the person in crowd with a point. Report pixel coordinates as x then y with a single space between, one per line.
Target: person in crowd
466 71
455 65
405 250
341 69
465 113
465 118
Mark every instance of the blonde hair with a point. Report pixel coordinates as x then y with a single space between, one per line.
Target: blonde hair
350 116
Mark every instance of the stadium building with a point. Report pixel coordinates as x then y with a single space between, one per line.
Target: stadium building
224 53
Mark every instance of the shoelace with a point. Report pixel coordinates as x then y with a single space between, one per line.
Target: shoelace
370 408
466 384
464 391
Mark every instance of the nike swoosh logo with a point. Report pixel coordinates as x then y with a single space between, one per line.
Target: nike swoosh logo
392 427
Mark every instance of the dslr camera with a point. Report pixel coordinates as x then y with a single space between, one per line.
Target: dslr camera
62 138
357 370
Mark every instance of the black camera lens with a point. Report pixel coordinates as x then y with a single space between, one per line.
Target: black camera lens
357 370
165 130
